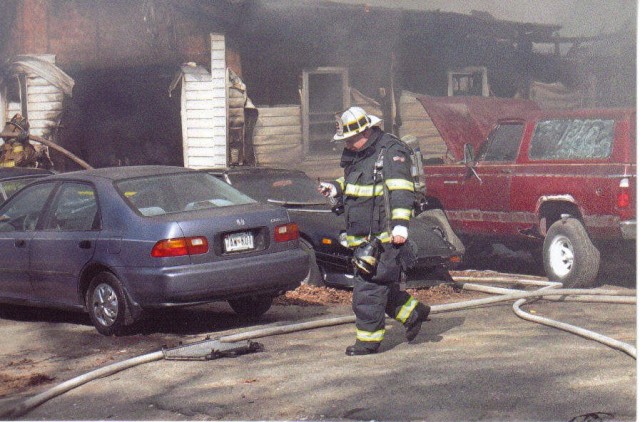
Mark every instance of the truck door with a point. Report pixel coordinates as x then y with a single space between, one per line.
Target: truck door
487 190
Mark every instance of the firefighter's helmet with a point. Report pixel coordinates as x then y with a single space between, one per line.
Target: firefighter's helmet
18 128
352 121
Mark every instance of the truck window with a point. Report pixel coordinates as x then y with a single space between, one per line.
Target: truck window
503 143
568 139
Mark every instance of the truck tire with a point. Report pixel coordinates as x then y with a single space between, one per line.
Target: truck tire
314 277
569 256
437 218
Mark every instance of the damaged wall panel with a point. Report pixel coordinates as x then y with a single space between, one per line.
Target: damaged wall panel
416 122
277 136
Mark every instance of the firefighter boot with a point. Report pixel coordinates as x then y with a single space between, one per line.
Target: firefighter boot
363 348
414 323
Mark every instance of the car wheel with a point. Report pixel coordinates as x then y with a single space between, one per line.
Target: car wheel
569 256
437 218
314 276
251 307
106 304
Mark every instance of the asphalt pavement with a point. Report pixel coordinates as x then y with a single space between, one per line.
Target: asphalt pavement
482 364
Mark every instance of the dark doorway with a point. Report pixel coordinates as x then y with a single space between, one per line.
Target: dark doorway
121 117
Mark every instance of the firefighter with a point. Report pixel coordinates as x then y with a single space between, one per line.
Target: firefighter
17 151
370 158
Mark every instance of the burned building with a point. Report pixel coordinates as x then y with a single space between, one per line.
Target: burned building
212 83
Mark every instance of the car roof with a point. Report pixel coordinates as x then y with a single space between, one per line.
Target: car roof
10 172
584 113
249 170
125 172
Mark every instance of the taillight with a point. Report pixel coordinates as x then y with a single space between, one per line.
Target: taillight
624 200
180 247
286 232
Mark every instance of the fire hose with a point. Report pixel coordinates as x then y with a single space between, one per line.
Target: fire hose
61 150
548 290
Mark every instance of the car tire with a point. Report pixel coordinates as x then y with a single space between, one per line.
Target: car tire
314 276
106 304
251 307
437 218
569 256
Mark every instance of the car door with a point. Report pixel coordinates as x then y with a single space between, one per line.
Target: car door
18 220
64 243
487 190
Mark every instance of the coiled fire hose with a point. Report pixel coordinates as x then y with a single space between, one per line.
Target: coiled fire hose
548 290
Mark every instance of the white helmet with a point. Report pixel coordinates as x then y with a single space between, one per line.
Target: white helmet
353 121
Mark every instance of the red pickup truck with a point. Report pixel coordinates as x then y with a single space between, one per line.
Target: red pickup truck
559 183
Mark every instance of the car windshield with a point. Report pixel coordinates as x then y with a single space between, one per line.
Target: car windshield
283 188
171 193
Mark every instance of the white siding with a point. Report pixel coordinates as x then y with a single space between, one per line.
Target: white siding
44 105
204 111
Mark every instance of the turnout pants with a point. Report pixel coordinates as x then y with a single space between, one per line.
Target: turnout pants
380 294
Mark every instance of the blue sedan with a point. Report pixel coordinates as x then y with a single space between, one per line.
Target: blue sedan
114 242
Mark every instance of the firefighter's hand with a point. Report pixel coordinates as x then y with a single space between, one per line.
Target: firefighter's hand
327 189
399 235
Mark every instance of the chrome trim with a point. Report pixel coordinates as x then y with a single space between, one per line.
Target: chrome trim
628 229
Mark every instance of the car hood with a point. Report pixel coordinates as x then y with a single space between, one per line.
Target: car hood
468 120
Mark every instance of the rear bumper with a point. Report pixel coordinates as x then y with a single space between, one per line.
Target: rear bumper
270 274
628 229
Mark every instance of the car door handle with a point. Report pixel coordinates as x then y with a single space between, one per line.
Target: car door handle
507 171
20 243
84 244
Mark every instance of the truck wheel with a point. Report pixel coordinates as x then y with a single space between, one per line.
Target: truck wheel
569 256
251 307
106 304
314 277
437 218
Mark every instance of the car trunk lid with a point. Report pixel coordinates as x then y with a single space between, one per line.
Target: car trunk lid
235 231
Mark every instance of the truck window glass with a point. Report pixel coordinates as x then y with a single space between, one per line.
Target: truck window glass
572 139
503 143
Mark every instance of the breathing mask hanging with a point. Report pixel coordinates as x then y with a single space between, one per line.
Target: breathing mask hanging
367 255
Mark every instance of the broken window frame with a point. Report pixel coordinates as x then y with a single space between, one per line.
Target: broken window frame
468 73
306 120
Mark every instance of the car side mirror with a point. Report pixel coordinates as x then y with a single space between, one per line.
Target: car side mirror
468 154
469 162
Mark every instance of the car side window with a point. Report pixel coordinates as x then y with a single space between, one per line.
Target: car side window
9 187
74 209
24 210
567 139
503 143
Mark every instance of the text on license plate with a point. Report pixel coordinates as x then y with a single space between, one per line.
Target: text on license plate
241 241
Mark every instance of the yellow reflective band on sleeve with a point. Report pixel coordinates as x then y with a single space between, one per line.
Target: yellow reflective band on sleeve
353 241
406 310
340 181
376 336
400 184
362 190
401 214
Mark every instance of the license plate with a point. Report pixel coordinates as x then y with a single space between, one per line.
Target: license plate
242 241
